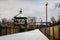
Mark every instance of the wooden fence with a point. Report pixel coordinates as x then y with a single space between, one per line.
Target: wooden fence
52 32
8 30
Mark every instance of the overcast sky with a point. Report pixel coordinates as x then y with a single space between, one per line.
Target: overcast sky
9 8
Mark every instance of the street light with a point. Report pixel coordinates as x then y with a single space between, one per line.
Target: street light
46 4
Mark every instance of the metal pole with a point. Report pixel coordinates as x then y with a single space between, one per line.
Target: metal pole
53 30
41 21
46 20
46 15
46 12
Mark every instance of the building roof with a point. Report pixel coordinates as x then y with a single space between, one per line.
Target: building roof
20 14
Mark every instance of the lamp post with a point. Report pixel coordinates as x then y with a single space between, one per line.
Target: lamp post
46 4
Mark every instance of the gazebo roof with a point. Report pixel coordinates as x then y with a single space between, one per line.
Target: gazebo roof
20 14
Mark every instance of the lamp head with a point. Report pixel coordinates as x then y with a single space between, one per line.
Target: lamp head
46 3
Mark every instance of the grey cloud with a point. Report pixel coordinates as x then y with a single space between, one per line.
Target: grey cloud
9 7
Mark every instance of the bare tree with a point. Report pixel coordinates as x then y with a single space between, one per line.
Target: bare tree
4 21
31 20
53 20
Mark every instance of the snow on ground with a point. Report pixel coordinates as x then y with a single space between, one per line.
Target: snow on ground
30 35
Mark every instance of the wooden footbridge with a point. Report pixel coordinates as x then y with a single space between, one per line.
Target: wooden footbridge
51 31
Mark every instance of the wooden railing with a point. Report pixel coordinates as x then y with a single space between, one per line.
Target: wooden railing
52 31
8 30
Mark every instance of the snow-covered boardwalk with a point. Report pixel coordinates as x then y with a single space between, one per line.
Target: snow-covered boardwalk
30 35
